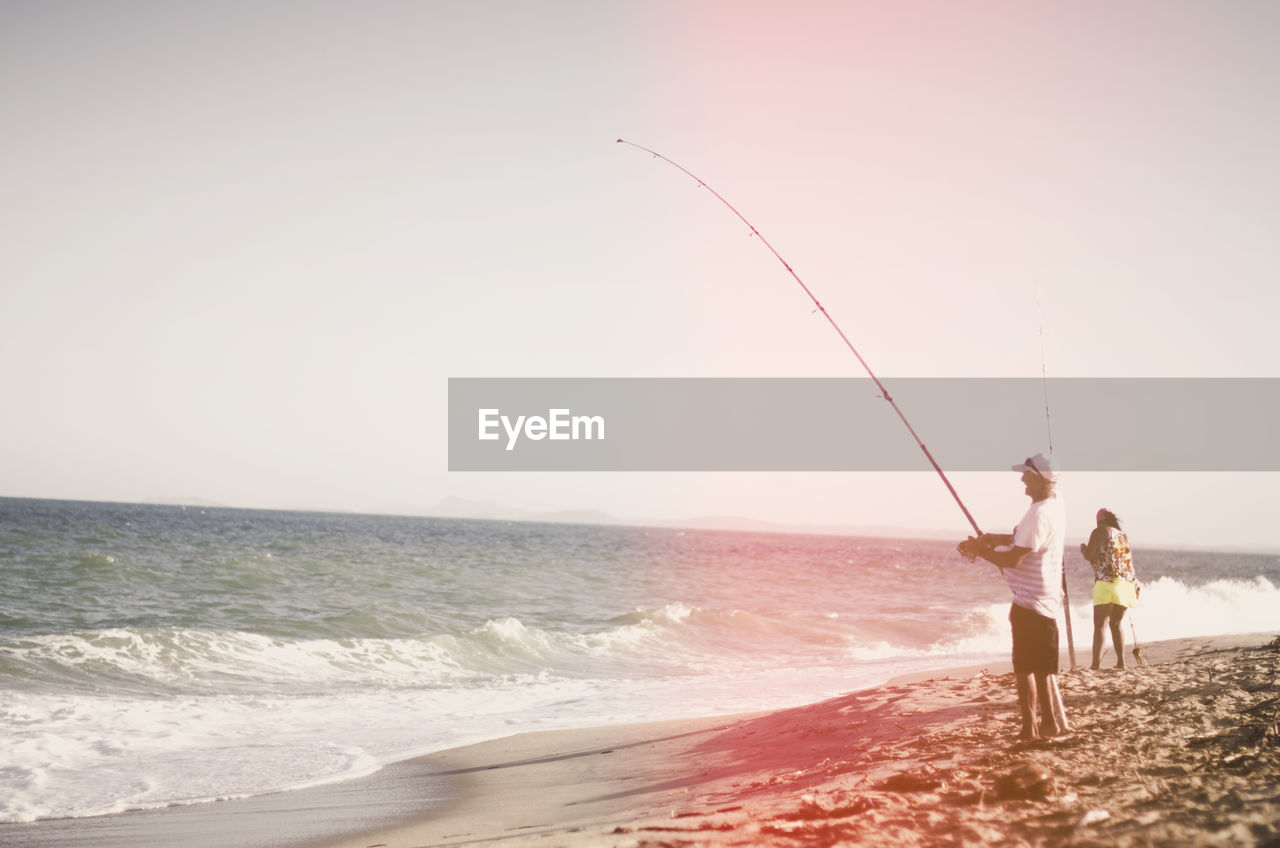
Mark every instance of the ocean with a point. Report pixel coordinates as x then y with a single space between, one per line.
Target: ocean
161 655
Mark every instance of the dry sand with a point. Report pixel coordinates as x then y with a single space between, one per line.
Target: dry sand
1183 751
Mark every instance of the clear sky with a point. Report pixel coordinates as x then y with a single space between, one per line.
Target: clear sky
246 244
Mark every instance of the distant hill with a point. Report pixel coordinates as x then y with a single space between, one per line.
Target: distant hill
204 502
455 507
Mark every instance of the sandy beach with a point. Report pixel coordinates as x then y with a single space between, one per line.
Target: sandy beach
1182 751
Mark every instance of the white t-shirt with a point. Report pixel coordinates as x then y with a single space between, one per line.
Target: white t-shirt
1037 582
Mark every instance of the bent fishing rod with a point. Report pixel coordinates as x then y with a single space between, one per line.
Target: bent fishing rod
883 391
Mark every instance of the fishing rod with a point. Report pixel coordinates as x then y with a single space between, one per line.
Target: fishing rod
1048 423
883 391
1044 375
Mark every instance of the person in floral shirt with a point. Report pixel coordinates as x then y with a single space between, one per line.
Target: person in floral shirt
1115 586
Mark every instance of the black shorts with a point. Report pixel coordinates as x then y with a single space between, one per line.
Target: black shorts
1035 642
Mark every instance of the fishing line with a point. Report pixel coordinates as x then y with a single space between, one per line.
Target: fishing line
883 391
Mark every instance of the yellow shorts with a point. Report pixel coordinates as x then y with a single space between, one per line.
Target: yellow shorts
1120 592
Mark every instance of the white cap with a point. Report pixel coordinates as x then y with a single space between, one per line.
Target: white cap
1040 465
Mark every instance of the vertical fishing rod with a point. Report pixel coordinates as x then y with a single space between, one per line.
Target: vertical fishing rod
1044 374
883 391
1044 379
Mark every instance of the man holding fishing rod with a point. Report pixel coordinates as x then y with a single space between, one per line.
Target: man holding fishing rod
1030 560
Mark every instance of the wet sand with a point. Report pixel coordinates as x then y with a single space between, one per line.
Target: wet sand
1182 751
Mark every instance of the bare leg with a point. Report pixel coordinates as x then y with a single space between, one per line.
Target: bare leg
1099 622
1054 714
1027 705
1117 635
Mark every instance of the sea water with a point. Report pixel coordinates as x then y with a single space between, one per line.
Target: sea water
158 655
